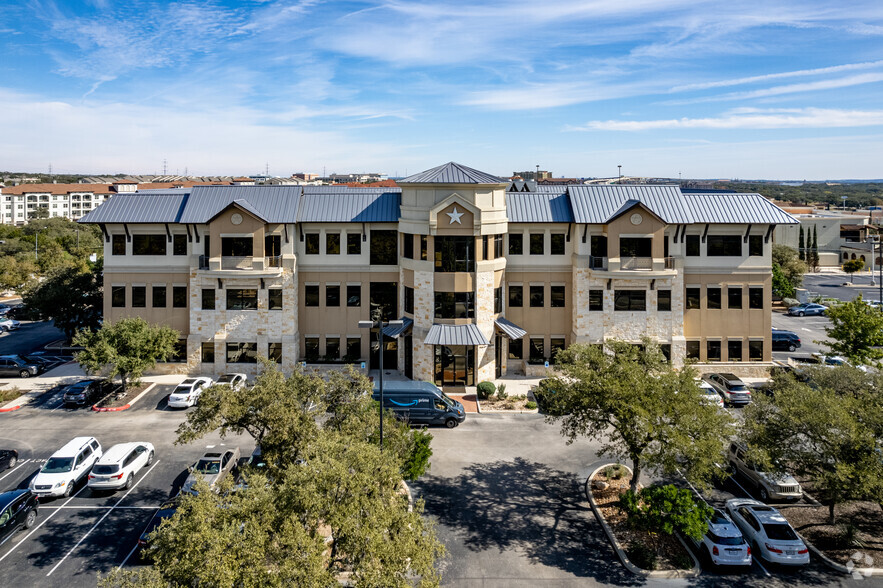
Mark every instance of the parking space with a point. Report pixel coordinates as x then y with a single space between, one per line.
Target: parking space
810 329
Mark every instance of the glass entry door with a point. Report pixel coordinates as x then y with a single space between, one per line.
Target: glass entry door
454 365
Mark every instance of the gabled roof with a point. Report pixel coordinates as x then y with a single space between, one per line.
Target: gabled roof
532 207
156 207
736 208
452 173
599 204
350 205
274 204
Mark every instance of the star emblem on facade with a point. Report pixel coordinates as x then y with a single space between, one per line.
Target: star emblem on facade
455 216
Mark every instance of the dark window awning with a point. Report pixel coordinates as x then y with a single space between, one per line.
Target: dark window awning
455 335
509 328
394 331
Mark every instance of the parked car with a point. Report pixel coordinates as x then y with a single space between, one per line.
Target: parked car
723 544
769 486
13 365
807 309
213 466
82 393
187 392
730 387
785 340
66 467
20 313
8 324
8 458
768 533
710 394
165 511
117 467
18 510
235 381
38 360
420 403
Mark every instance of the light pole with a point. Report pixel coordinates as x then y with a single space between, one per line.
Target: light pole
37 245
619 167
379 325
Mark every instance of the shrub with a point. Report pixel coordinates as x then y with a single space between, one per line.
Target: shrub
501 392
485 390
614 472
418 462
849 536
530 405
666 509
642 556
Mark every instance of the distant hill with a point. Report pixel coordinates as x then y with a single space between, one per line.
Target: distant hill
858 193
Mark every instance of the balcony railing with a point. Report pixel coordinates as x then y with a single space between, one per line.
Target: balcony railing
636 263
669 263
597 263
240 263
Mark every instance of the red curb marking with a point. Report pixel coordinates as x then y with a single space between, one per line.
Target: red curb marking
10 409
96 408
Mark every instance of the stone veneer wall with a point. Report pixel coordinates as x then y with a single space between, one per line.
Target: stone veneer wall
484 319
424 311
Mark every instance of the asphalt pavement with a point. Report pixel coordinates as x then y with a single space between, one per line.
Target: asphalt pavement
31 336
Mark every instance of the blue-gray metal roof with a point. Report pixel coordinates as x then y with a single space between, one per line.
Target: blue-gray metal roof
452 173
542 207
275 204
394 331
599 204
738 208
509 328
156 207
455 335
350 206
556 188
342 189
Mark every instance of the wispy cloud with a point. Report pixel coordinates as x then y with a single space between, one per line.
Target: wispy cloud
816 86
777 76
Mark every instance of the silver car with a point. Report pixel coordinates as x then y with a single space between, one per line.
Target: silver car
769 486
768 533
213 466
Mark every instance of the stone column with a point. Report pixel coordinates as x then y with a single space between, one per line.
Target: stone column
484 319
424 310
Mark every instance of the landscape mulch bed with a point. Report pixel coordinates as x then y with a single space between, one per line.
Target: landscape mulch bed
866 517
670 553
516 403
115 398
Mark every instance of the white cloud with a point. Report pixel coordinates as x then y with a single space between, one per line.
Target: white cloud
816 86
776 76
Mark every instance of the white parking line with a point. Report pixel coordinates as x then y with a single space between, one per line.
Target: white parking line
43 522
134 549
21 463
83 538
101 506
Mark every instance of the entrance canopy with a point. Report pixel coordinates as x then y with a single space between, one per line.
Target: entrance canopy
394 331
455 335
510 329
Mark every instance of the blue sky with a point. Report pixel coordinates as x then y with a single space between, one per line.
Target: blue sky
706 89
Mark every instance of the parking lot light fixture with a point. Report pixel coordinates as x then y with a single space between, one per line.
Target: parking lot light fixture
379 325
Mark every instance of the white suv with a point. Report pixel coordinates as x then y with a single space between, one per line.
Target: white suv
66 467
187 392
116 468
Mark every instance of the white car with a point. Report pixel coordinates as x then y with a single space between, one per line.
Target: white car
710 394
235 381
723 543
66 467
116 468
768 533
9 324
187 393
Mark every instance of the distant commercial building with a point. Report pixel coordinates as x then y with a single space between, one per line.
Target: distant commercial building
532 175
841 235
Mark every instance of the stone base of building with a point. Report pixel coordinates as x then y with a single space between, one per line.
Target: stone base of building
754 369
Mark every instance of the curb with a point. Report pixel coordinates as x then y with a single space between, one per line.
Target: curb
97 408
11 408
855 572
477 404
695 572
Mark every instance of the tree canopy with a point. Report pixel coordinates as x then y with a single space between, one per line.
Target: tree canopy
856 331
786 261
70 295
852 266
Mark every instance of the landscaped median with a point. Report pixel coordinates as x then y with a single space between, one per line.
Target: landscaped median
115 402
7 396
493 398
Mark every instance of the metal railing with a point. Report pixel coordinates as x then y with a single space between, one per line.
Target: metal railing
273 261
636 263
669 263
597 263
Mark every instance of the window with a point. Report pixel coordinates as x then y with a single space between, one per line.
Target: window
516 296
713 350
353 348
665 349
498 299
242 299
208 299
383 297
332 243
353 244
734 297
424 247
692 245
630 300
693 296
556 344
158 299
536 296
755 350
179 296
516 349
354 295
498 246
635 247
556 296
454 305
557 244
755 298
537 352
485 250
332 295
118 296
408 302
755 245
311 349
384 250
207 352
408 245
537 243
713 298
274 299
516 244
596 300
179 244
274 352
663 300
139 296
724 246
148 244
242 352
734 350
311 295
598 244
454 254
273 248
311 243
118 245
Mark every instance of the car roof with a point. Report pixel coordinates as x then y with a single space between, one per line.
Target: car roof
188 382
7 497
721 525
405 386
118 452
210 455
73 447
730 377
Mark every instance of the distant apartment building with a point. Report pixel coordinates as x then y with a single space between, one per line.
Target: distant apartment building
533 175
486 282
358 178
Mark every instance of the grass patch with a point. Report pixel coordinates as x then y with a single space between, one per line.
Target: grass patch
9 394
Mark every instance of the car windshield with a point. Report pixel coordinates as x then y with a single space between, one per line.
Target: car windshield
105 469
779 532
447 400
226 379
58 465
208 466
717 539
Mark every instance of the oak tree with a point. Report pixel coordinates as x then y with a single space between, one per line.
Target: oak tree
856 331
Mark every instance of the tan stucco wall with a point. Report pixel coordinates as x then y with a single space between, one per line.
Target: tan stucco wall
176 318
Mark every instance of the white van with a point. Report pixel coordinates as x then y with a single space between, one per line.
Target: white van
66 467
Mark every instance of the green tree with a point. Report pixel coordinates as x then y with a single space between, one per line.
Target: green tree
15 274
666 509
856 331
69 295
630 399
838 429
801 245
792 267
814 262
782 286
126 348
852 266
40 212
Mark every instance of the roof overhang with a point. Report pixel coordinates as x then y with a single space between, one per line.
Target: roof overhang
509 328
455 335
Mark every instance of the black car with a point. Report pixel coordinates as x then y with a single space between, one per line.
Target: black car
785 341
8 458
83 392
13 365
165 512
18 510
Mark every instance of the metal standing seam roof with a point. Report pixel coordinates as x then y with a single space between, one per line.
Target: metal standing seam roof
736 208
350 207
599 204
274 204
533 207
455 335
509 328
453 173
393 331
556 188
156 207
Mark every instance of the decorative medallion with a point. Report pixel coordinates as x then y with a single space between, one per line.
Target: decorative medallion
455 216
236 218
636 219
